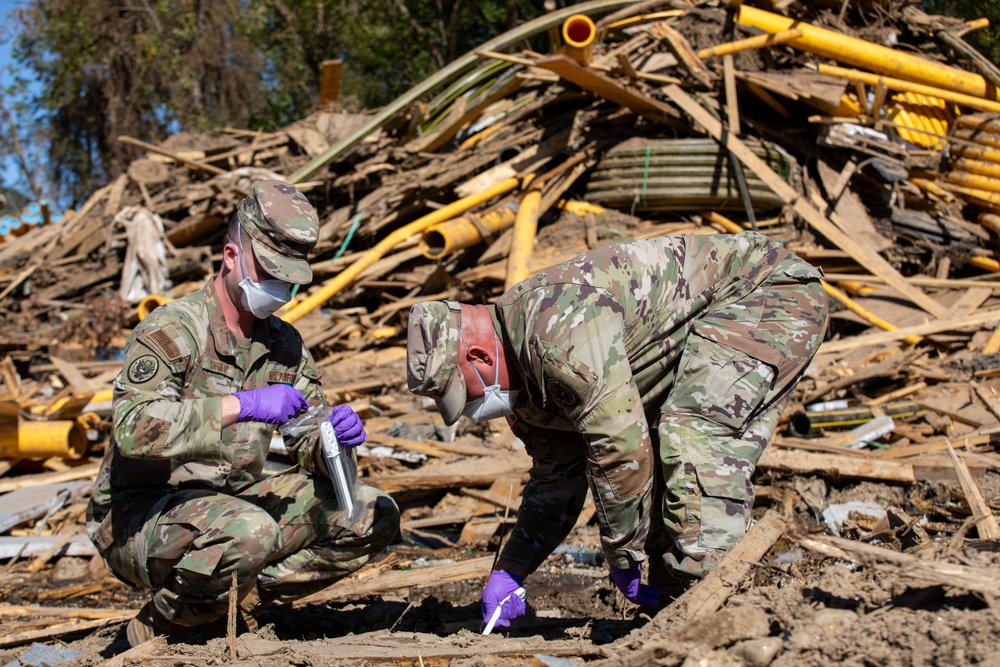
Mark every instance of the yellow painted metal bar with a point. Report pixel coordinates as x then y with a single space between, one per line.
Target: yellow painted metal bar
525 229
755 42
985 196
984 263
579 208
863 312
920 88
977 153
861 53
345 277
451 236
856 287
43 439
975 181
835 293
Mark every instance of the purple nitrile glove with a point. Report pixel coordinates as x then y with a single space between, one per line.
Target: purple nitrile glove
347 426
274 404
627 582
502 585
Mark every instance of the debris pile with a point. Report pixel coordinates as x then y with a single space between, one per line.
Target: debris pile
866 137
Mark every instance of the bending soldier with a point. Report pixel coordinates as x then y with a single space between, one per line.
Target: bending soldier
653 371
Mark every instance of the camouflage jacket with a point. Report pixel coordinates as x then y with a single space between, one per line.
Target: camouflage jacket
167 410
596 341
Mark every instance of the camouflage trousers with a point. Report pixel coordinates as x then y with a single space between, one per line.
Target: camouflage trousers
284 534
726 401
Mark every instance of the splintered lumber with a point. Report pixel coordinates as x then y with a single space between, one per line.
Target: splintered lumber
475 472
907 566
986 523
610 89
31 546
62 630
883 337
709 594
868 258
60 612
705 597
832 464
27 504
398 579
87 471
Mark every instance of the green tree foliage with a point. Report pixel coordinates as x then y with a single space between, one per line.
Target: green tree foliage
91 70
985 40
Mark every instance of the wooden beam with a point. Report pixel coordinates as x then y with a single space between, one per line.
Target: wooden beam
868 258
883 337
609 89
986 523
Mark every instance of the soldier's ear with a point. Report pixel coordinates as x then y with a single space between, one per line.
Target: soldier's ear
230 256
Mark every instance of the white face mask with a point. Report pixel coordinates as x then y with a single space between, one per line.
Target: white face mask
495 402
265 297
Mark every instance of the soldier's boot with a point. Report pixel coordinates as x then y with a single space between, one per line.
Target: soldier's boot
248 605
150 623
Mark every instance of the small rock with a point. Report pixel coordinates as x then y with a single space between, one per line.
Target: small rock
758 652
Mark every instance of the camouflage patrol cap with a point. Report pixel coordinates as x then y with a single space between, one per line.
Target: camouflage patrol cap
283 228
432 368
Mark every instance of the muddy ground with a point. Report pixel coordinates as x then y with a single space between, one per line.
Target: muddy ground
794 608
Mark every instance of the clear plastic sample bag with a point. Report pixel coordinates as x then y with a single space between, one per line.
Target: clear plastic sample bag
340 462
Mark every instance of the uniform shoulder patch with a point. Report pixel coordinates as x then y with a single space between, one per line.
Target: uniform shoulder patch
561 393
143 369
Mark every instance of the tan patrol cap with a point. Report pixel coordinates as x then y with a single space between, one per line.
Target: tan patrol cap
433 332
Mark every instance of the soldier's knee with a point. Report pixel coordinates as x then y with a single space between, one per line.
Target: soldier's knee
251 538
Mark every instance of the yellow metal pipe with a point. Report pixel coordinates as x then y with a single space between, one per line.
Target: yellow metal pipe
863 312
984 263
860 53
755 42
453 235
978 121
578 33
977 153
975 181
151 303
930 187
856 287
891 83
579 208
525 229
835 293
42 439
345 277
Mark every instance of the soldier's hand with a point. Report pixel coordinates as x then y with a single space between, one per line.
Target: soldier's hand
502 591
275 404
627 582
347 426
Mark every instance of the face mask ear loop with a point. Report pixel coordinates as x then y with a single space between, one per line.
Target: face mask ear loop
243 264
476 370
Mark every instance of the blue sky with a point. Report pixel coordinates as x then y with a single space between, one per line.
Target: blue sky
8 172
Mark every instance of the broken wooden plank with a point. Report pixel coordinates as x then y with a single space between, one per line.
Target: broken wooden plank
907 566
883 337
398 579
839 466
610 89
62 630
986 523
87 471
472 472
33 546
868 258
26 504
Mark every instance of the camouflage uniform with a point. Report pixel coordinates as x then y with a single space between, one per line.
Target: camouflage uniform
178 504
701 338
